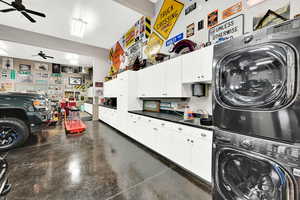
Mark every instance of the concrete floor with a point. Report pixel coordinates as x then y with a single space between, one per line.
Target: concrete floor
100 165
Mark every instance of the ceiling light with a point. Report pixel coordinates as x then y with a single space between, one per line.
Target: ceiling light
71 56
3 52
78 27
74 62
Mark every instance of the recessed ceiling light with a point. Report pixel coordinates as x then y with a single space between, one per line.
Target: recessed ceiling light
78 27
74 62
72 56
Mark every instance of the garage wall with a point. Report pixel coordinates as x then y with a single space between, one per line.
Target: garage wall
100 55
204 8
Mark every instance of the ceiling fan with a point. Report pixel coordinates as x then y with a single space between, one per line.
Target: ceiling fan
18 6
43 55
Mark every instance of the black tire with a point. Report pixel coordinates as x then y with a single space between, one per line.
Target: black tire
20 131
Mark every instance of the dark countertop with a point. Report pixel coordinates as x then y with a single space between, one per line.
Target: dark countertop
108 106
173 118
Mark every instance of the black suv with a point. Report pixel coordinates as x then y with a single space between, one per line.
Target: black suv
21 114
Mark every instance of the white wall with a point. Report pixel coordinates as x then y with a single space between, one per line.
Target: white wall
204 8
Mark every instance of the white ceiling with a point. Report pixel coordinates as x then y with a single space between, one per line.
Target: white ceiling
22 51
107 20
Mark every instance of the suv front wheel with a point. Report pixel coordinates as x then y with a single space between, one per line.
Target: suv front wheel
13 133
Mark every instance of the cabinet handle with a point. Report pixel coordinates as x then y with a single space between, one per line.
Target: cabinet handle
180 129
198 77
134 121
149 120
203 135
155 129
163 124
192 141
188 140
202 76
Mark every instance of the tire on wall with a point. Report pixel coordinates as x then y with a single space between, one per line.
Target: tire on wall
13 133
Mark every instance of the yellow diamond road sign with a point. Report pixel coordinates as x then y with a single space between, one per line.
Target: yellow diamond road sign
167 17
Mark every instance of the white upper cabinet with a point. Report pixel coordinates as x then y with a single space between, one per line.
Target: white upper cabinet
111 88
197 66
162 80
150 82
173 78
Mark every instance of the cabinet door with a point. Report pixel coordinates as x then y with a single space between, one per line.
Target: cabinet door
156 81
181 148
151 81
164 140
143 83
206 64
201 162
191 63
173 78
197 66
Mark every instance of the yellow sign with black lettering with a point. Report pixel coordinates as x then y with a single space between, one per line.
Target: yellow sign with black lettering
153 46
167 17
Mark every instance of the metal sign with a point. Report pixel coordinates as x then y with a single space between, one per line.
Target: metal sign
227 30
167 17
174 39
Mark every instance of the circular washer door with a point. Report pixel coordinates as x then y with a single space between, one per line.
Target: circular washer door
241 176
257 78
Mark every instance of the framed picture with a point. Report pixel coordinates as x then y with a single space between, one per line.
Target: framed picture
24 68
190 30
56 68
41 67
75 81
67 69
212 19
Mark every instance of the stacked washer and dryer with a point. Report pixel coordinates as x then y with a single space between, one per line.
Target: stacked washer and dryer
256 110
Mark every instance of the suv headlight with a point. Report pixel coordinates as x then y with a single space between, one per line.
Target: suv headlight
39 104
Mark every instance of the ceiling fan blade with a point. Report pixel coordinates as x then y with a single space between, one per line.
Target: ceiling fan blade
8 10
5 2
43 56
49 57
35 13
28 17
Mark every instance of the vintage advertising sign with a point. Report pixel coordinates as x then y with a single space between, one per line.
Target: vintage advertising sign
175 39
227 30
236 8
190 30
270 18
212 19
117 52
130 37
154 45
190 8
167 17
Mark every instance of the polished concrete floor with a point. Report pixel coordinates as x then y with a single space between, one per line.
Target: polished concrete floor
100 165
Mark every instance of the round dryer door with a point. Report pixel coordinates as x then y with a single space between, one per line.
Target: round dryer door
241 176
259 77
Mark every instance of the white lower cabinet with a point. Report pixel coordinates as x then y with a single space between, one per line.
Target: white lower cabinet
187 146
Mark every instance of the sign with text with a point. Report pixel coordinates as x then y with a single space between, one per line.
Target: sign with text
167 17
236 8
227 30
175 39
154 45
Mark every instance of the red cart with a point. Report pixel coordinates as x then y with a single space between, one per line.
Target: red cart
73 123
